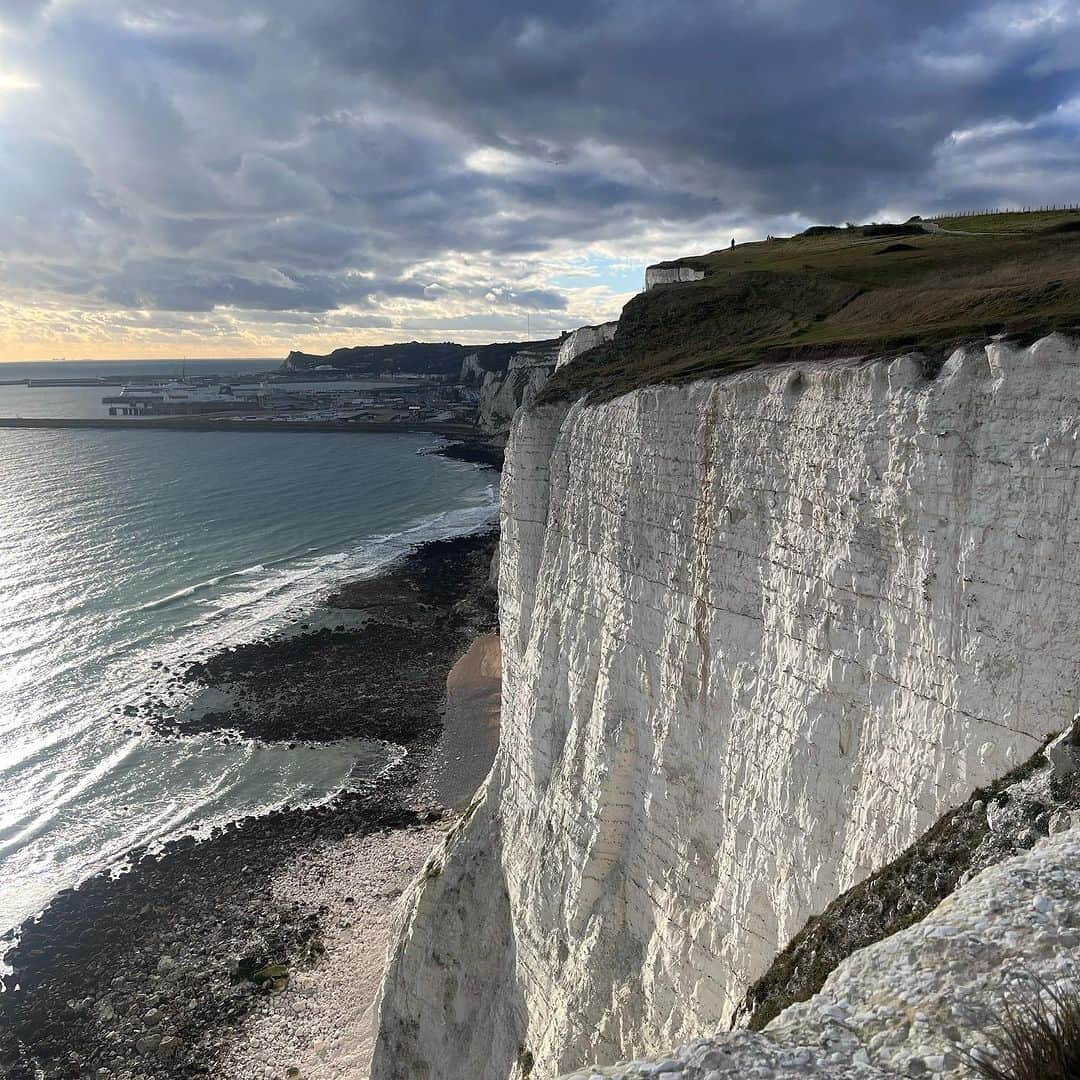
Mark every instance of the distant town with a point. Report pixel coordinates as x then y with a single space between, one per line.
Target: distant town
325 394
414 384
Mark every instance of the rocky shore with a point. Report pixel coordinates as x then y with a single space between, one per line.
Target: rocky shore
322 1022
478 450
155 971
376 666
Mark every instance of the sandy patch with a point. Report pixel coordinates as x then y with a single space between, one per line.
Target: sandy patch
470 734
323 1024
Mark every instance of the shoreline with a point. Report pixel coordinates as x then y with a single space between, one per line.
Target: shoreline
152 972
365 666
229 423
323 1023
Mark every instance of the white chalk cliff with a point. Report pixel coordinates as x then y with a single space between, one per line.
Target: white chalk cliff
919 1003
671 275
503 393
759 632
582 340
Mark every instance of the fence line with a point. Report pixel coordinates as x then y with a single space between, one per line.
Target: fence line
1050 208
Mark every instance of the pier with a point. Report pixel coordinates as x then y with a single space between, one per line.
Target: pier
95 381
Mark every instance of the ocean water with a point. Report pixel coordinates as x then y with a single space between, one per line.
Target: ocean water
157 369
122 551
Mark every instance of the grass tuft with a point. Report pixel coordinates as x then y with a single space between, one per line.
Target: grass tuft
1037 1038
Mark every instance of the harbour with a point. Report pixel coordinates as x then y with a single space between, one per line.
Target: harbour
218 422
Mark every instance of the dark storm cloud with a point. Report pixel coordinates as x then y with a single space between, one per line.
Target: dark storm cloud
818 107
420 157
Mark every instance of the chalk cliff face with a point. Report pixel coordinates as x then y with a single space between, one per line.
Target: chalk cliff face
472 371
502 394
758 633
671 275
953 974
582 340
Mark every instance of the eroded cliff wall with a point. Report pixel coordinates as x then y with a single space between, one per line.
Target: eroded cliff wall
582 340
758 634
503 393
923 1002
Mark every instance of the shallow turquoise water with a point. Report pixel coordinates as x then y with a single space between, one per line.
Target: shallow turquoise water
122 550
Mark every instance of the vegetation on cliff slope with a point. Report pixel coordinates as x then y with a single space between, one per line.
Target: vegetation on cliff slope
993 824
845 292
414 357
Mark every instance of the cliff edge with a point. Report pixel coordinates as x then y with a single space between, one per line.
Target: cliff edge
760 630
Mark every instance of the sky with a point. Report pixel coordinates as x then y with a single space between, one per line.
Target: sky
240 179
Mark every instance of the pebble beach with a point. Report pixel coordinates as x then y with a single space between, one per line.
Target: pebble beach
258 951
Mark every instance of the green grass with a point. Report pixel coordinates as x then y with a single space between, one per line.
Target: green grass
843 294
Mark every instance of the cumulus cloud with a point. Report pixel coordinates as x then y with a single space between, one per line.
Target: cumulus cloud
280 174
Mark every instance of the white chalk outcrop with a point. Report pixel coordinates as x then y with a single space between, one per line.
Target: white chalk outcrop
671 275
922 1002
582 340
503 393
472 371
759 632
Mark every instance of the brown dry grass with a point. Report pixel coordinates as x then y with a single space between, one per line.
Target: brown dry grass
1037 1038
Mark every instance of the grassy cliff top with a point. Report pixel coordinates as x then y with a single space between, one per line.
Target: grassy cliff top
861 291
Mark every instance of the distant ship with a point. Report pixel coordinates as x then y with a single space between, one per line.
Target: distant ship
182 391
176 391
142 393
176 397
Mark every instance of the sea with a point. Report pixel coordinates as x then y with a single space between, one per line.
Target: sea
123 553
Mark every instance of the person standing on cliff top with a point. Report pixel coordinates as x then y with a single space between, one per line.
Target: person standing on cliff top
733 243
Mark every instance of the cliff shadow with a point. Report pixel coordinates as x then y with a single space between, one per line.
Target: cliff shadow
450 1003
